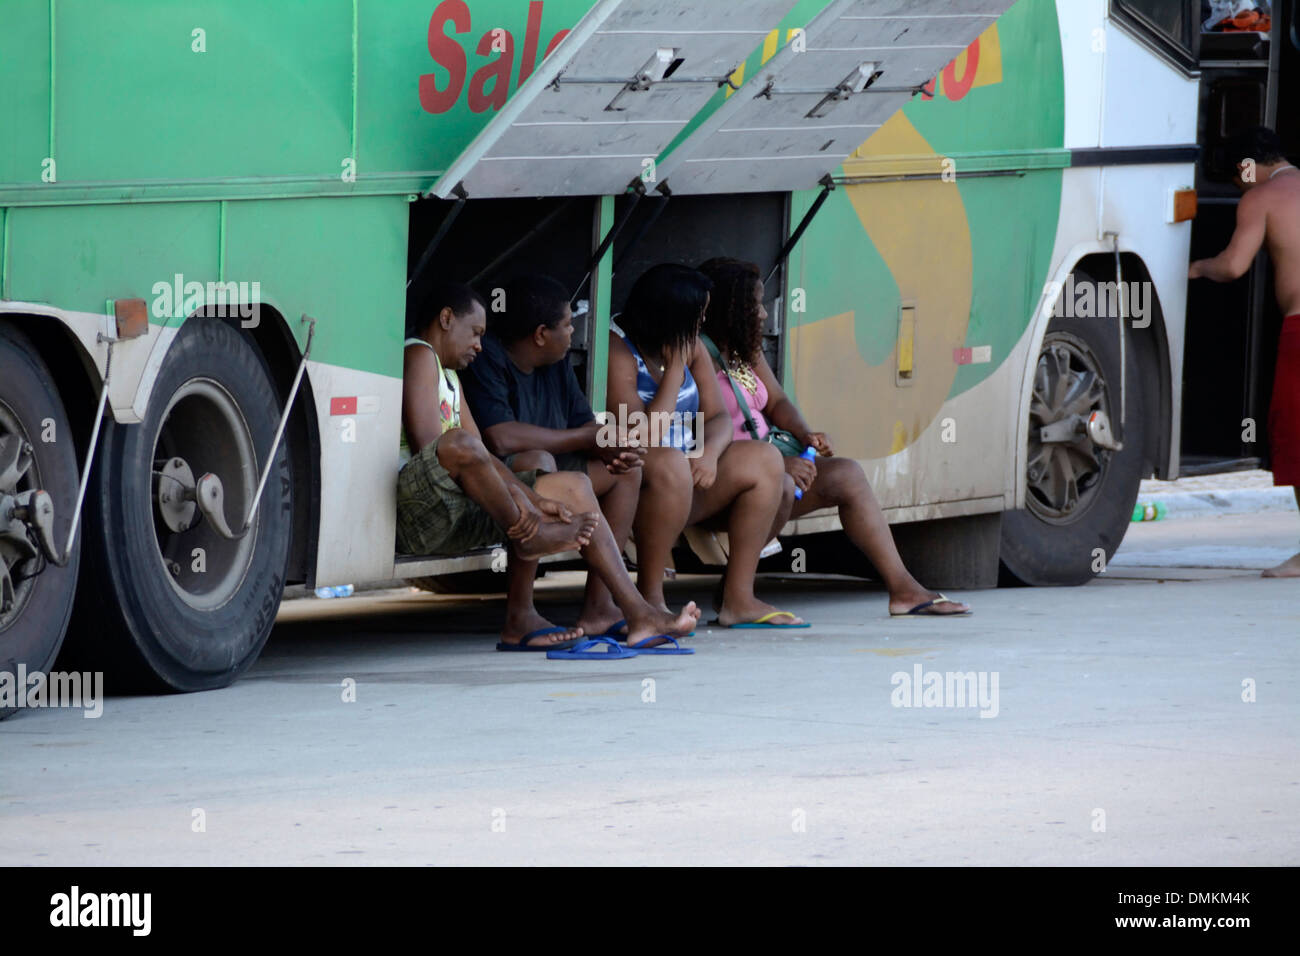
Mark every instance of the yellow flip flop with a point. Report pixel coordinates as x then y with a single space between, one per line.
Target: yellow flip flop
764 623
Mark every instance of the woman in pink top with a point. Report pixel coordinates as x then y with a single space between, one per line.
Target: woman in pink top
734 321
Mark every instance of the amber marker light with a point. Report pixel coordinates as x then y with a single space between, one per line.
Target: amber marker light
1182 205
132 317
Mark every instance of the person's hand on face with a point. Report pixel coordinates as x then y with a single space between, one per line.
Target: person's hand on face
675 365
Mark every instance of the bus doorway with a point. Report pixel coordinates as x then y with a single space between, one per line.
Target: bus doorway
1232 328
487 242
692 229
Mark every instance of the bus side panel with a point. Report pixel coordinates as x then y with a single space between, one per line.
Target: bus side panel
1108 70
214 90
265 95
946 266
25 105
342 262
70 261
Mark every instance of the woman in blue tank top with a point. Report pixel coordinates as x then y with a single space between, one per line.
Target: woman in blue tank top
679 432
660 374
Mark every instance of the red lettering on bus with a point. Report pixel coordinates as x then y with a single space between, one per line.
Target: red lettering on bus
555 41
498 71
955 89
448 54
532 33
490 85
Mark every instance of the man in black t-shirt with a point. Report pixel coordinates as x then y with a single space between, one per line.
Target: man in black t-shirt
532 413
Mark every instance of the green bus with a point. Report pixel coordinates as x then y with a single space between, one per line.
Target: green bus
976 215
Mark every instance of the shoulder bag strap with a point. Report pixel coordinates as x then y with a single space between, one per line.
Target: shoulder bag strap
740 398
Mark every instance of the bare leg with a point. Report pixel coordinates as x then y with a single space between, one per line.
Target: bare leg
521 612
786 511
604 557
661 513
749 485
1290 568
618 495
841 482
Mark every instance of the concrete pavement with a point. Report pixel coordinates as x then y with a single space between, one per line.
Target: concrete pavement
1121 735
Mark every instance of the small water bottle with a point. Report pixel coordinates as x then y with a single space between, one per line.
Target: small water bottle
341 590
809 454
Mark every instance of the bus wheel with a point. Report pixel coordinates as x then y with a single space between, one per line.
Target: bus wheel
168 602
1079 489
36 453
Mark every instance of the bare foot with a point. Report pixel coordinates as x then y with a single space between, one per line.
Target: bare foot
600 626
902 603
752 610
553 537
1290 568
654 622
526 622
598 620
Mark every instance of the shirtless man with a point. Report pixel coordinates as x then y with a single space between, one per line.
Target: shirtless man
454 496
1269 212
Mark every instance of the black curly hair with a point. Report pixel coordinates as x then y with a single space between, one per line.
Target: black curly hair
732 317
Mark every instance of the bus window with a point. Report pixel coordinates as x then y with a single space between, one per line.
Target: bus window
1171 28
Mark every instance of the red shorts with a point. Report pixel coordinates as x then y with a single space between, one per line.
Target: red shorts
1284 412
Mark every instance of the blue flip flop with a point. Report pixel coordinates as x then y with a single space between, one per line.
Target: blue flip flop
763 623
584 651
524 644
640 646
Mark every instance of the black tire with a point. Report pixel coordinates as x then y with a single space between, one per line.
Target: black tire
1043 546
194 627
33 629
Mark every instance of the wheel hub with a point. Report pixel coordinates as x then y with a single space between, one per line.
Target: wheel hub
175 495
20 505
1070 442
202 430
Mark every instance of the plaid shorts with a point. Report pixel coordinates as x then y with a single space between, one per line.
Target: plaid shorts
435 516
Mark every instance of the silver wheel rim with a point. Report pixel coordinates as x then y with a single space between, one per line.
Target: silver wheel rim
31 478
203 425
1062 478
